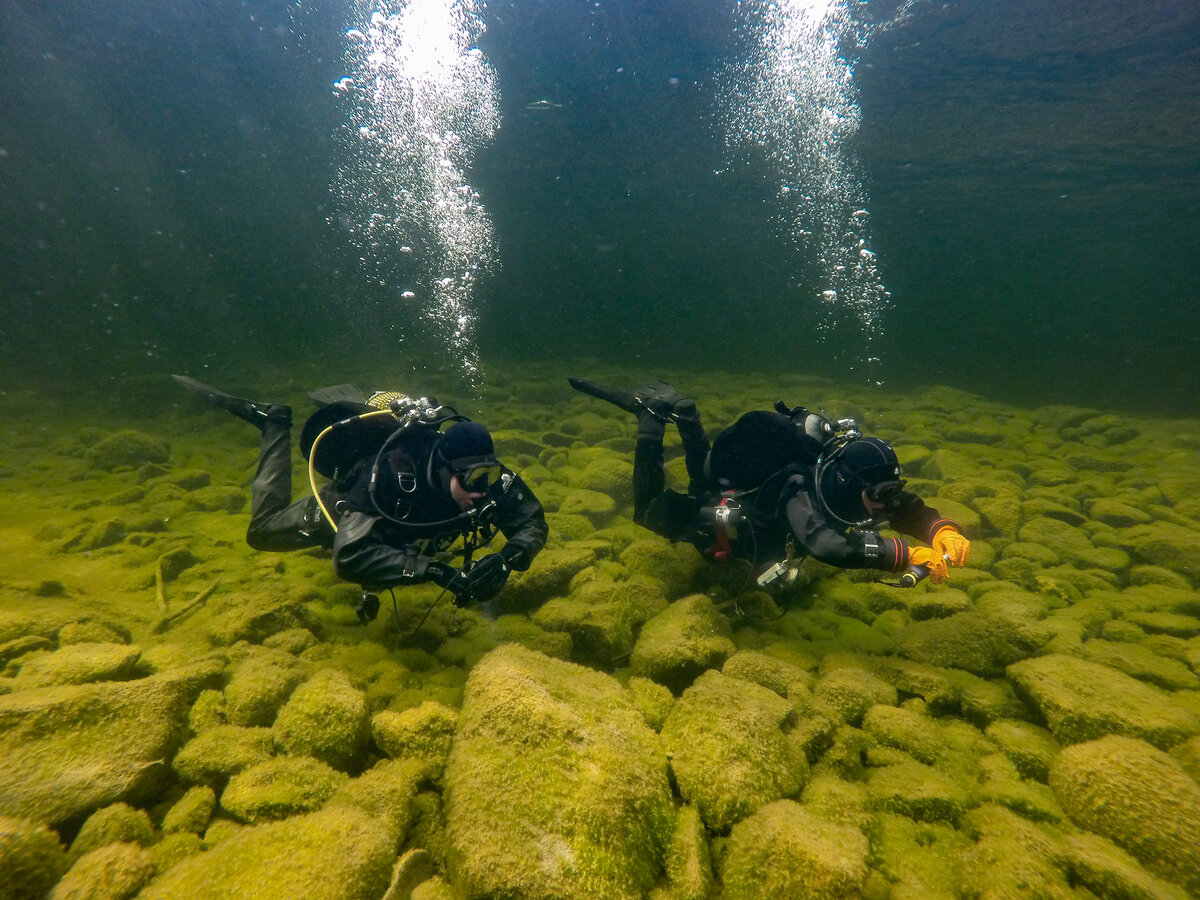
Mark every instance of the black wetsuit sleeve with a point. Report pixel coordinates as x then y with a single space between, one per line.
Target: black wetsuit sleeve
909 515
847 550
522 521
362 554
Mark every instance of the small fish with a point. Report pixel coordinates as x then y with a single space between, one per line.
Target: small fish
543 104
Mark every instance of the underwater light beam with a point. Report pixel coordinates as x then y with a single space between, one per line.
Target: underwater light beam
421 101
794 99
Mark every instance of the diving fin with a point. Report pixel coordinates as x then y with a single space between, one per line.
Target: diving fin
251 411
336 393
623 399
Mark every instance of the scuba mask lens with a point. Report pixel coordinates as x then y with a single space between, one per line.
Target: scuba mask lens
478 479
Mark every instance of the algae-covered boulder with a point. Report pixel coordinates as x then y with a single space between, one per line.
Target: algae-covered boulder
32 859
191 812
682 641
1030 748
1137 796
555 786
126 448
115 871
387 792
918 791
218 753
71 749
602 616
548 576
259 685
254 617
904 729
769 671
119 822
280 787
1083 700
673 564
422 734
1012 858
730 748
850 691
653 699
921 860
1108 871
785 852
980 644
337 853
78 664
325 718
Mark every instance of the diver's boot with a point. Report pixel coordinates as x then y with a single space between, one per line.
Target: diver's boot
257 414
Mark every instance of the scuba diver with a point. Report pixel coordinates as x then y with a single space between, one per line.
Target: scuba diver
780 485
401 492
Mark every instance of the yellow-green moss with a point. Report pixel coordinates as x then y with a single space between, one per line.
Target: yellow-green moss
687 638
32 859
325 718
280 787
119 822
114 872
191 812
220 752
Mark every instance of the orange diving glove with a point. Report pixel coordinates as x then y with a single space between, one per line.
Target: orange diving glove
931 560
950 543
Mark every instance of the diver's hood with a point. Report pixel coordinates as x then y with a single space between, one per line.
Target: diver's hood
850 470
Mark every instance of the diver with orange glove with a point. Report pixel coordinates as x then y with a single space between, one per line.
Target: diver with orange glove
780 485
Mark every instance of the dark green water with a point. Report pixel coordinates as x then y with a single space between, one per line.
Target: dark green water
1030 171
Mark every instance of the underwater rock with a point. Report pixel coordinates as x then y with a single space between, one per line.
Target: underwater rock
422 734
1001 513
784 851
254 617
280 787
1137 796
90 631
921 860
769 671
119 822
730 748
1084 700
294 641
555 786
1142 663
126 448
851 691
387 792
218 753
325 718
551 572
602 616
595 506
1000 783
115 872
337 853
675 565
1011 858
982 645
18 647
32 859
1030 748
259 685
191 812
175 847
918 791
688 861
75 748
216 498
915 734
679 643
1108 871
77 664
653 699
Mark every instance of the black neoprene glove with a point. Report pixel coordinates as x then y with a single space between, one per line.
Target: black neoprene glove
451 579
487 577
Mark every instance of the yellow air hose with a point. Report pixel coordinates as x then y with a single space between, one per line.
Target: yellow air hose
312 457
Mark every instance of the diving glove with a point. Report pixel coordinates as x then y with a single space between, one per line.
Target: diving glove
928 558
950 543
487 577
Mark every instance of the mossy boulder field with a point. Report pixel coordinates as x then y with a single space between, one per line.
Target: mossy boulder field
184 717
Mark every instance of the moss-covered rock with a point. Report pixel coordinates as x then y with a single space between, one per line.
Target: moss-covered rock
653 699
1137 796
119 822
78 664
422 734
259 685
688 860
1031 748
254 617
1084 700
176 846
1012 858
921 860
918 791
74 748
191 812
769 671
602 617
730 748
280 787
32 859
218 753
387 792
555 786
339 853
675 565
685 639
114 872
785 852
548 576
1142 663
915 734
325 718
851 690
977 643
126 448
1108 871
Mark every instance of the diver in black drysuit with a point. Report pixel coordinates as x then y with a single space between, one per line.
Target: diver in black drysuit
392 511
781 484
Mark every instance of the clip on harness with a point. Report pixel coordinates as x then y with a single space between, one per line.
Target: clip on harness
725 518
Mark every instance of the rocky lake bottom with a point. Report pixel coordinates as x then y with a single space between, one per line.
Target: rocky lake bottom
182 717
